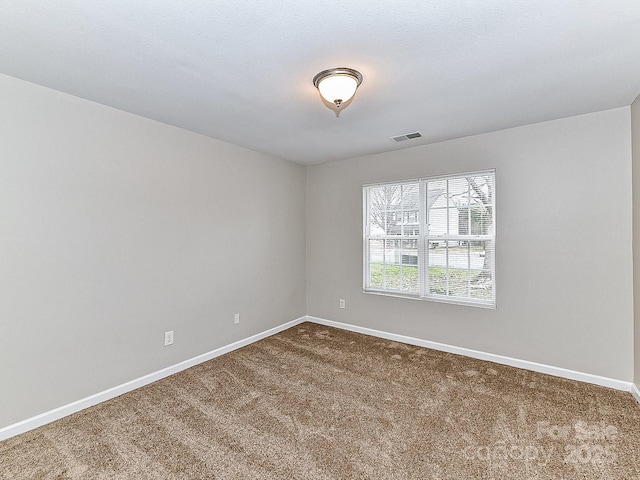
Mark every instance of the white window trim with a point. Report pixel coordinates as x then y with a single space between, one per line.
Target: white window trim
423 239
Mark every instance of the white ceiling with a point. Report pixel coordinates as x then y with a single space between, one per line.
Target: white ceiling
241 71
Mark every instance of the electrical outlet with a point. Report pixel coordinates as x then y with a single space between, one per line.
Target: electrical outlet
342 303
236 318
168 338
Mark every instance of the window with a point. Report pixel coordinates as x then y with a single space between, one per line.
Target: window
432 238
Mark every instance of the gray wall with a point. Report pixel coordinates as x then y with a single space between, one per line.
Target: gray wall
564 235
115 228
635 129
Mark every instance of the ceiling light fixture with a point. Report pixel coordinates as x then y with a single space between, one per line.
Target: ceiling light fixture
338 85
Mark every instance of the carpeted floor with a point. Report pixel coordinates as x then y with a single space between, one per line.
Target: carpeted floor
318 403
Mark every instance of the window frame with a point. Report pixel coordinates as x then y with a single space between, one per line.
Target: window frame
423 239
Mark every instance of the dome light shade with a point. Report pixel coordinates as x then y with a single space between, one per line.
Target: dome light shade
337 85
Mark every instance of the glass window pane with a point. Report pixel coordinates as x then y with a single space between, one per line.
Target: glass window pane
436 194
481 189
392 252
458 254
377 211
481 285
376 251
437 221
437 253
437 280
455 219
410 279
458 282
482 220
411 196
478 258
410 222
392 277
394 222
410 252
458 192
384 210
464 221
376 275
393 197
376 196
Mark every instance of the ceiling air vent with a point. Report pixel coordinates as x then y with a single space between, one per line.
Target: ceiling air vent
408 136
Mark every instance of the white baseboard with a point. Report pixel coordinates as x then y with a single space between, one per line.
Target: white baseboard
513 362
60 412
635 392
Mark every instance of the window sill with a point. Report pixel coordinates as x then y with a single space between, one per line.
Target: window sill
437 299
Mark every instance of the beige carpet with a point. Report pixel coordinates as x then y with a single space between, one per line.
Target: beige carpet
319 403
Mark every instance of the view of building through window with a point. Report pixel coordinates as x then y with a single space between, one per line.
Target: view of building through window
432 238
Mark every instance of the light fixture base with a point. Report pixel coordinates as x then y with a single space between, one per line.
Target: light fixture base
337 71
